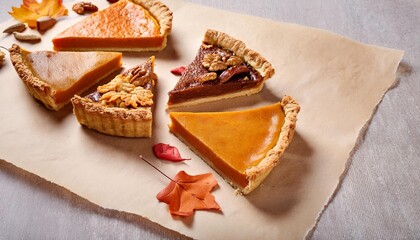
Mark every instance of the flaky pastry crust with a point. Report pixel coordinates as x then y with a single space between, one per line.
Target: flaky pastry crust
113 121
257 174
160 12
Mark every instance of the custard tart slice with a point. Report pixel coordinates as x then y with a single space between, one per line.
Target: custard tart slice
122 107
54 78
242 146
223 68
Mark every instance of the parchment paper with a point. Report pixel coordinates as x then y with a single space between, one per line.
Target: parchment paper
338 83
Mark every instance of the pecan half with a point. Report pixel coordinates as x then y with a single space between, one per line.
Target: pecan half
138 76
232 71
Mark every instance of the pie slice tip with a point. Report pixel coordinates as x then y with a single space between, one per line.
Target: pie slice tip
223 68
122 107
242 146
54 77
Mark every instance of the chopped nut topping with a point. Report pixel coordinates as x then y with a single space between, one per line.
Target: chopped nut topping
126 90
207 77
216 62
234 61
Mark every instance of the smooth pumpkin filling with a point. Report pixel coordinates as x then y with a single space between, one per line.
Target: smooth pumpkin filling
53 68
231 141
124 22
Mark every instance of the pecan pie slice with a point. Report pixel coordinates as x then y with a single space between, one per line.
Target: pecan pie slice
122 107
223 68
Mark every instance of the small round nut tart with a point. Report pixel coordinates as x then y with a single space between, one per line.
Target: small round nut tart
122 107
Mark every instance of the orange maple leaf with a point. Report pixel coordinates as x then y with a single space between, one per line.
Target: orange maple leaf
31 10
185 193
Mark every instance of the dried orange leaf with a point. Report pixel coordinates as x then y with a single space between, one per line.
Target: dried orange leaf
186 193
31 10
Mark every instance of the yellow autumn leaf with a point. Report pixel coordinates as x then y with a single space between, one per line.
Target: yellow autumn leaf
31 10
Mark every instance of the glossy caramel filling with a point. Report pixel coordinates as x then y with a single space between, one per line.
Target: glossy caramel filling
189 87
231 142
123 24
65 75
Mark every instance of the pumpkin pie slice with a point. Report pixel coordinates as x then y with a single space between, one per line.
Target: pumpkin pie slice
223 68
122 107
242 146
54 77
136 25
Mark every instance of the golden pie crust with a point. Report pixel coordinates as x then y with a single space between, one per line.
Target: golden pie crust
257 174
245 175
129 33
239 49
119 121
101 65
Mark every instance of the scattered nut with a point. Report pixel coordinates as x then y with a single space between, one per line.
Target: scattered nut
82 7
27 37
45 23
18 27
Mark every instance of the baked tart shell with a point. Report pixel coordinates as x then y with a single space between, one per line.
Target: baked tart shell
113 121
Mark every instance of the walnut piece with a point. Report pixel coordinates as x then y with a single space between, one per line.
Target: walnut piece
217 62
126 90
234 61
207 77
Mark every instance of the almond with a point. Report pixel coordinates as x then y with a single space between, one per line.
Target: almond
19 27
27 37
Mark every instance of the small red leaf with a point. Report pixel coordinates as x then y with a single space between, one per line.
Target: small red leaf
178 71
186 193
167 152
